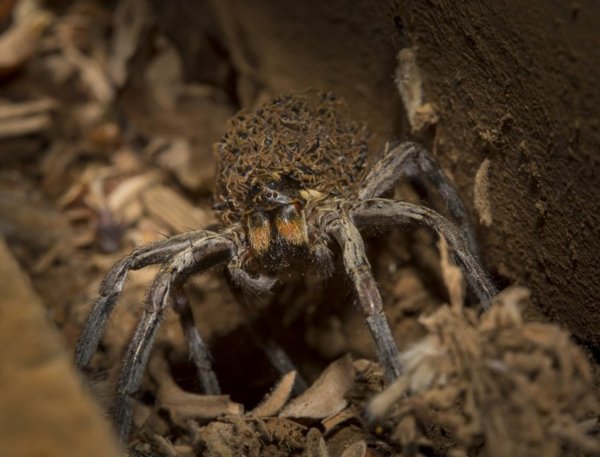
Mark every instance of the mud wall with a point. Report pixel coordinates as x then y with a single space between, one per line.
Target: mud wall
512 82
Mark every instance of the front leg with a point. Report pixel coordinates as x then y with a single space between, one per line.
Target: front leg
358 269
198 256
198 349
113 283
380 212
411 160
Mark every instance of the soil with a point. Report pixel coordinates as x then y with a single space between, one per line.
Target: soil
108 120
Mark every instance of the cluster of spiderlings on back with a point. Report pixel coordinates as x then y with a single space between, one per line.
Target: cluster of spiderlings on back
307 137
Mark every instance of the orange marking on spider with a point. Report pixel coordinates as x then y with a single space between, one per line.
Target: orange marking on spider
259 232
293 231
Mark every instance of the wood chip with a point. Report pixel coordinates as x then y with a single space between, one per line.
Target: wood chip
24 126
20 41
452 275
130 189
409 83
38 225
179 157
130 19
27 118
171 208
332 422
164 74
29 108
481 193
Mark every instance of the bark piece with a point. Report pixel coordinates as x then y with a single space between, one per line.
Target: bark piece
43 408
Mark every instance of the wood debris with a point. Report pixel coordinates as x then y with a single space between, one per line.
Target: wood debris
25 118
38 382
183 405
495 384
21 40
326 396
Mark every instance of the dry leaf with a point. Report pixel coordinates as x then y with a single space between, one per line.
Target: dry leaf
523 387
274 401
326 396
184 405
358 449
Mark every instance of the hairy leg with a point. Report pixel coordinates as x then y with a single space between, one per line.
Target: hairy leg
413 161
358 269
196 257
198 349
113 283
245 287
276 355
381 212
250 285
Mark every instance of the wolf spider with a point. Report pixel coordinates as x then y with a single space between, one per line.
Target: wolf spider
292 188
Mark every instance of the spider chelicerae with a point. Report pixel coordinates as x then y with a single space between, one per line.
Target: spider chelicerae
293 188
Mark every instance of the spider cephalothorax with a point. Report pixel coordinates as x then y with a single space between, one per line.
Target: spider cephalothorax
293 188
275 222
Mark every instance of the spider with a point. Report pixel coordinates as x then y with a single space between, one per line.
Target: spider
292 188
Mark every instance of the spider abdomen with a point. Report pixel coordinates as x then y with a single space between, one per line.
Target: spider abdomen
305 138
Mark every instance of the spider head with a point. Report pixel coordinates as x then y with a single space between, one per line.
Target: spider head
276 221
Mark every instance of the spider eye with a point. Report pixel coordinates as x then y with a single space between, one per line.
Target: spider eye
254 191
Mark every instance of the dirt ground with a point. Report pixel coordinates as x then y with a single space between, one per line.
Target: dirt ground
106 133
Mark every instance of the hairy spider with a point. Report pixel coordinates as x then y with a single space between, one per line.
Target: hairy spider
293 188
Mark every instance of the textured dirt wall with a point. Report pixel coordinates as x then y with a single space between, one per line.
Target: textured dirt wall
512 82
516 83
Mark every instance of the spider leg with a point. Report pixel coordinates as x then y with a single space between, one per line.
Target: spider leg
113 283
209 251
251 285
245 284
382 212
411 160
198 349
281 361
358 269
